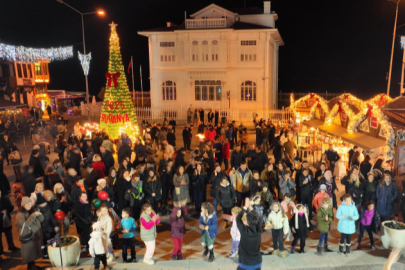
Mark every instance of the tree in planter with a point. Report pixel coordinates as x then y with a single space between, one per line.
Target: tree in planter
118 109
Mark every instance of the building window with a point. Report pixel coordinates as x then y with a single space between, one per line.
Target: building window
214 50
194 51
45 68
248 91
248 50
167 52
19 71
169 90
38 69
29 70
24 66
204 50
208 90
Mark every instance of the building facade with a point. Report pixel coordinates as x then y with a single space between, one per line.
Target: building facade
216 59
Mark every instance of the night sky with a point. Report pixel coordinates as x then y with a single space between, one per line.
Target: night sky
334 46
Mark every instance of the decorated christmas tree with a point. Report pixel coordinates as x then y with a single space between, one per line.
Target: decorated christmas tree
118 114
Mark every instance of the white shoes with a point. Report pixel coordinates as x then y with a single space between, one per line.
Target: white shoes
149 261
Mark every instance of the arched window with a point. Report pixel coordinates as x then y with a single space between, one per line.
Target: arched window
194 50
204 50
248 91
169 90
214 50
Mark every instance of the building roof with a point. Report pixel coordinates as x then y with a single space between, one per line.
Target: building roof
246 26
334 101
248 10
10 105
396 104
235 26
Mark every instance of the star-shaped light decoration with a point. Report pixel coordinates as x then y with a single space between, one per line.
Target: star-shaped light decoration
85 61
113 25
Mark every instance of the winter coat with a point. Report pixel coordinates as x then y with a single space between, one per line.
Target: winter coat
99 168
84 215
98 243
77 192
215 182
300 224
369 192
54 205
376 221
210 134
225 195
237 158
183 188
178 224
5 204
226 154
49 223
250 238
179 161
278 220
289 148
125 151
286 187
324 225
199 181
347 216
365 168
317 201
305 189
269 178
134 193
385 198
242 183
67 205
110 193
107 223
153 186
30 251
108 161
171 139
212 223
254 186
148 227
331 188
122 186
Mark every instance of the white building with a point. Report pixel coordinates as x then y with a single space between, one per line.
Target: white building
216 51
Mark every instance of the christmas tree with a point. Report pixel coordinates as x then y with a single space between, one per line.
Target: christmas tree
118 114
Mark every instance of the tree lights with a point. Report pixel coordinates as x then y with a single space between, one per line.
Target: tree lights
118 112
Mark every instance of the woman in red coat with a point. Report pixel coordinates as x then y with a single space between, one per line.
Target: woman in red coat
98 165
226 153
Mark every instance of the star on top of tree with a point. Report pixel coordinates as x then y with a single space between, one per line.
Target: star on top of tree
113 25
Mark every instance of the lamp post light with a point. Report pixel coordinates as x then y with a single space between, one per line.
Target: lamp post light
99 12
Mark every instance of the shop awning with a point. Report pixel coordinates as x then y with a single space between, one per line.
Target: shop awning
10 105
360 139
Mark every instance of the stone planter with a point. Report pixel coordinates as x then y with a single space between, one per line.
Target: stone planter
392 238
70 254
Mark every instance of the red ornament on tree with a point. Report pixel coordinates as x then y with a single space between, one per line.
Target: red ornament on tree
59 216
102 195
113 77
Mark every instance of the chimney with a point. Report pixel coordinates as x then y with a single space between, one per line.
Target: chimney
267 5
169 24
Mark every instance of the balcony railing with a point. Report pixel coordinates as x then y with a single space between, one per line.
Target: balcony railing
206 23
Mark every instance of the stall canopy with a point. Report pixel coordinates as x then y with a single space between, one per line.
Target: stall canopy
362 140
10 105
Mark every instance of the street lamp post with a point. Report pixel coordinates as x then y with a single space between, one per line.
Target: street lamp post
84 50
392 48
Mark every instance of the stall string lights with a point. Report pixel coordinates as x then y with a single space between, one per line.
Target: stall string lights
131 130
318 100
20 53
375 100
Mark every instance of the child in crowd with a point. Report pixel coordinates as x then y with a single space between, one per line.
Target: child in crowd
370 221
299 226
325 218
347 215
277 221
128 241
318 199
98 246
267 197
234 230
149 220
259 208
288 205
255 184
178 231
208 229
18 195
107 222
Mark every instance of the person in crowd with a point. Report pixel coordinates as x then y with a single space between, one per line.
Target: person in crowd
352 185
258 207
266 196
106 219
37 194
324 219
317 202
319 174
265 139
28 180
299 225
208 229
108 145
98 246
49 225
75 158
244 139
268 176
216 178
5 210
186 137
128 227
365 166
121 186
287 185
199 180
259 134
136 192
355 161
255 184
36 164
51 201
153 190
6 144
66 205
189 115
369 188
378 165
107 158
78 187
18 194
149 220
181 189
102 186
333 157
178 230
124 151
98 166
347 214
289 148
370 220
166 172
241 184
235 233
171 137
352 151
226 154
237 156
288 205
251 157
123 166
387 193
305 186
331 188
277 221
54 173
324 160
277 149
16 160
280 170
225 195
29 222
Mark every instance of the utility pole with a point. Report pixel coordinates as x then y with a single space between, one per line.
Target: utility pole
392 48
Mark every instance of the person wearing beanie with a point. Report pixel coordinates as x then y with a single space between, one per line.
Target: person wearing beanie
317 202
102 186
98 246
26 221
299 226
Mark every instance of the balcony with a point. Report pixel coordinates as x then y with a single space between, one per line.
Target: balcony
205 23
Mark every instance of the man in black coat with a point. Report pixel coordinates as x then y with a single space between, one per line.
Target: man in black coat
125 151
36 164
107 159
332 156
97 142
92 178
186 137
6 145
140 148
261 159
74 160
172 123
272 134
237 156
251 156
179 161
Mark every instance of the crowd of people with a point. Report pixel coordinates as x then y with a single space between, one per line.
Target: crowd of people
108 200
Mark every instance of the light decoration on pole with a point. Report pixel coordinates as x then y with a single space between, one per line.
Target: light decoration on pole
20 53
118 108
85 62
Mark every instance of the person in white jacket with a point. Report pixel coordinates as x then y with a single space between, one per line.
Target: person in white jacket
106 222
98 246
77 130
277 221
235 234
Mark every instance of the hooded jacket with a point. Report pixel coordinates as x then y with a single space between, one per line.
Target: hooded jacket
278 220
317 202
212 223
225 195
347 215
324 225
98 243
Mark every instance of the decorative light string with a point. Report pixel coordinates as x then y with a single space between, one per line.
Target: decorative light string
23 54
